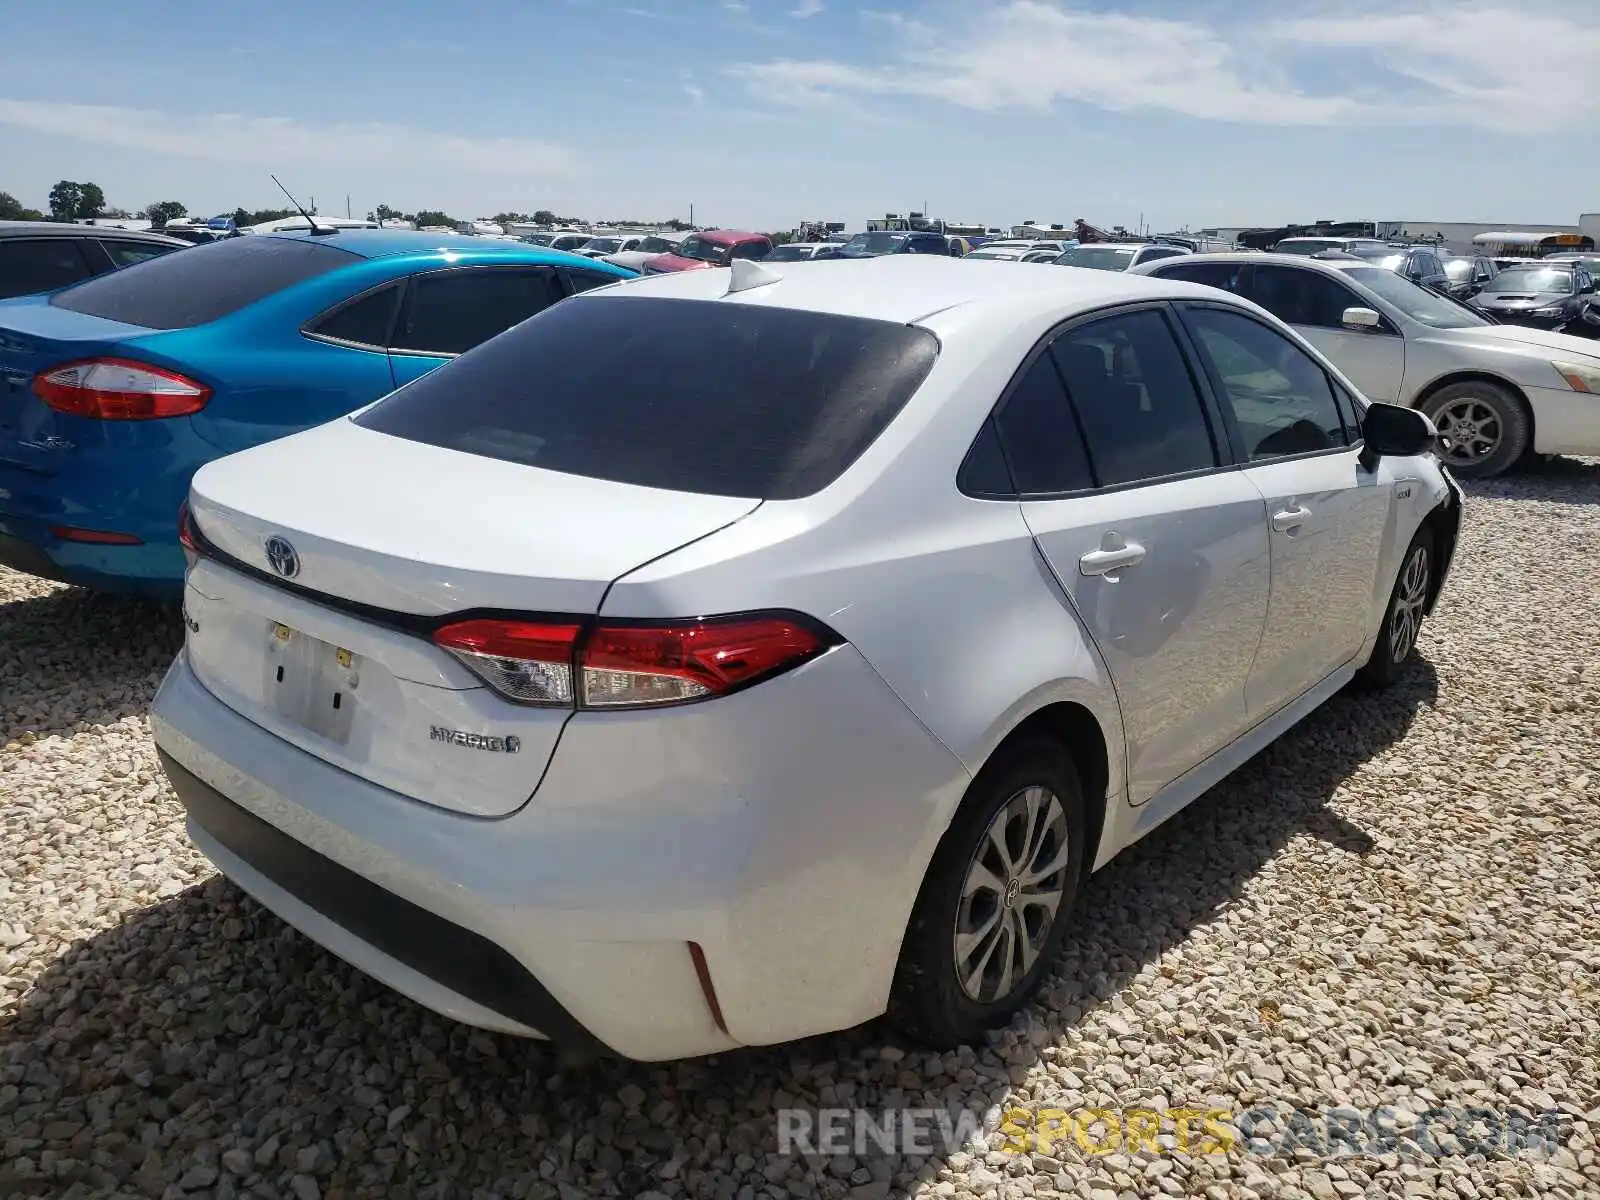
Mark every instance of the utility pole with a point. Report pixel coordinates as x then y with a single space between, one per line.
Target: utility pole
691 214
347 204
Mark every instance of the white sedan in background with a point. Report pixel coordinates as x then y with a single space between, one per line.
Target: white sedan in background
1496 392
648 247
775 647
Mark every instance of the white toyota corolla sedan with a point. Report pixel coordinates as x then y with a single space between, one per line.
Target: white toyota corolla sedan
733 656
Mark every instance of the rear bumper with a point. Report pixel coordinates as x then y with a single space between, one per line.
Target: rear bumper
457 960
92 498
29 547
770 843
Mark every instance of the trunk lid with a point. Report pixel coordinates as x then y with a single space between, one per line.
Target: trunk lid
34 336
388 536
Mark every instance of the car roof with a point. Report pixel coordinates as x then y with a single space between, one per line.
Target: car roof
907 288
382 243
65 229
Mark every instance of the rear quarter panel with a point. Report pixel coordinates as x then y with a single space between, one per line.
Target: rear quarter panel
945 595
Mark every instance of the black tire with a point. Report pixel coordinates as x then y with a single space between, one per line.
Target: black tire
1388 659
1490 411
928 1001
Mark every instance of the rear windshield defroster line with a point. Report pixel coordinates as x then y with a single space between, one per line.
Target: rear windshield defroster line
203 283
713 397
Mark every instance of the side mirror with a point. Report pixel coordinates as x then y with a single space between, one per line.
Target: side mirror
1362 318
1394 431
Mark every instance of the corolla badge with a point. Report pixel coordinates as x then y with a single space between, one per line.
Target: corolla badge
282 557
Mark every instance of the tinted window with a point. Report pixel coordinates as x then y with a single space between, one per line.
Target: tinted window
582 281
450 312
39 265
1222 275
125 254
1298 297
367 321
1141 412
751 250
204 283
1280 398
1159 252
721 399
984 473
1351 411
1041 436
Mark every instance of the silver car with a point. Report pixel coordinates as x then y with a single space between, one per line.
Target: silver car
1118 256
1497 393
735 656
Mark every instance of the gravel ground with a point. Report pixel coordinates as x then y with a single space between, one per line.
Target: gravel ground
1398 904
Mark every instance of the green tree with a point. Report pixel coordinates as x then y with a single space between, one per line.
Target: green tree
91 201
11 209
163 211
384 213
545 217
432 216
65 199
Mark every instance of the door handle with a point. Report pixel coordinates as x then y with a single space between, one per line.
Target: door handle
1105 562
1290 518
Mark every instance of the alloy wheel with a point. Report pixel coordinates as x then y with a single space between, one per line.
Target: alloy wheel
1410 598
1011 894
1470 431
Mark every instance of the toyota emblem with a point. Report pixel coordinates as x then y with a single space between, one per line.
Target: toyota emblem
282 557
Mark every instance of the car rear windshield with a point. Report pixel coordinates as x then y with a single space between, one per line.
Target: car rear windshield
206 283
713 397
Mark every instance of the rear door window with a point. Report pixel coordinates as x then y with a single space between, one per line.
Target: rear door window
715 398
450 312
583 281
1142 414
365 321
127 253
1225 275
204 283
1040 435
29 265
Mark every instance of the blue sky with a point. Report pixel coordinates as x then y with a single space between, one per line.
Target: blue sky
764 112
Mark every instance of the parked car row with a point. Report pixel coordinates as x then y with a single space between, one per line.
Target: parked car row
582 687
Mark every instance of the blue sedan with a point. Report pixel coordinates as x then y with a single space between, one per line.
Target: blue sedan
114 391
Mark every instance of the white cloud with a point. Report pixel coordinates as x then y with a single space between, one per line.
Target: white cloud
1497 68
806 9
693 90
271 141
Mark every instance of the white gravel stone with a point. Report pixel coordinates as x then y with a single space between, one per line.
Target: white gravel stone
1398 904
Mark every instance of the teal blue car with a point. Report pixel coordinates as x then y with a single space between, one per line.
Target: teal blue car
114 391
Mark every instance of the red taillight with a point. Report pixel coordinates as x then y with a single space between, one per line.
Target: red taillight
118 389
186 534
616 666
654 664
